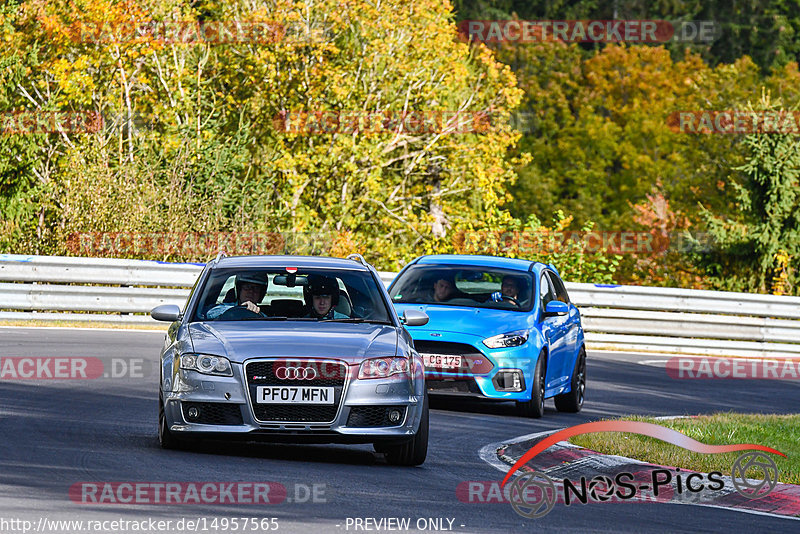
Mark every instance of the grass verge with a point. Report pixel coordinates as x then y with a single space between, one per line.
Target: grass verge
781 432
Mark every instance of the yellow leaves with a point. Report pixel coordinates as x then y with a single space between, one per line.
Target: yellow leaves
780 279
74 79
389 56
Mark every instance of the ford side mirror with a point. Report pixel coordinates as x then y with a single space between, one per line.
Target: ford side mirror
414 318
555 308
166 312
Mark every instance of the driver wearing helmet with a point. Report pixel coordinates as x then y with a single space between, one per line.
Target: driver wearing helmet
322 296
250 289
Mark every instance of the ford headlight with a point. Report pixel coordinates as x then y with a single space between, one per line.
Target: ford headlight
207 364
509 339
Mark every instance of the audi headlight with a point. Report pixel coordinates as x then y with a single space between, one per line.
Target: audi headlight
509 339
207 364
383 367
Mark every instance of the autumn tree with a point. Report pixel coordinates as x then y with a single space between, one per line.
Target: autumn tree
766 31
190 140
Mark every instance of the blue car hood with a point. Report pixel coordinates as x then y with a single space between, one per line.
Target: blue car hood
241 340
480 322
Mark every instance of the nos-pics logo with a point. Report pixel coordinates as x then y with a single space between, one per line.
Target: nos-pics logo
534 494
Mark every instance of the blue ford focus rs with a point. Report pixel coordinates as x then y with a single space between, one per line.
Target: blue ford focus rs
499 328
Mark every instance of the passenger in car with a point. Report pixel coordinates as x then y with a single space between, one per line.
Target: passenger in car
322 296
443 289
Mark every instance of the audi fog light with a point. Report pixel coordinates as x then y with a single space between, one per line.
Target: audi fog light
509 339
394 416
382 367
192 413
207 364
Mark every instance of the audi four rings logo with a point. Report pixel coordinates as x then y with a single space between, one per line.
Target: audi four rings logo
296 373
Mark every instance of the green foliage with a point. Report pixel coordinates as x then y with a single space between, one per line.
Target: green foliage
532 240
766 31
603 145
761 244
190 143
601 139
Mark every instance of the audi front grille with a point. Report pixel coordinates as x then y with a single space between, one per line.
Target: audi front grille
327 373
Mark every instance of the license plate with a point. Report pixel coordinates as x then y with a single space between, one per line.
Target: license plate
294 395
442 361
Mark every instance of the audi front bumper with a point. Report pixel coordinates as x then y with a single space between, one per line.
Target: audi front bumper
389 409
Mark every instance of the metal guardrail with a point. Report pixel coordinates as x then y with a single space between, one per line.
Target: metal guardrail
52 297
635 318
59 269
691 300
99 289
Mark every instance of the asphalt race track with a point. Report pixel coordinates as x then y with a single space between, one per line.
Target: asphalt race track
58 433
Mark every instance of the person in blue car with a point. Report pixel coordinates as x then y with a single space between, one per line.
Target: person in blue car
322 296
510 287
250 290
443 289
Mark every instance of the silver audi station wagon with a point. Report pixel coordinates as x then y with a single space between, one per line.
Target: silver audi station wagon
293 348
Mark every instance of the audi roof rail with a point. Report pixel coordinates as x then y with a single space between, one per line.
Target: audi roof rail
219 257
359 258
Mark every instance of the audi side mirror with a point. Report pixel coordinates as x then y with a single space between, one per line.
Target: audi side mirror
555 308
166 312
414 318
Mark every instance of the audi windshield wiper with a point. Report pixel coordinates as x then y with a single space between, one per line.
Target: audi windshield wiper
352 320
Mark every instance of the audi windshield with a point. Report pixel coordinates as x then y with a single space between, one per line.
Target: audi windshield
299 295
